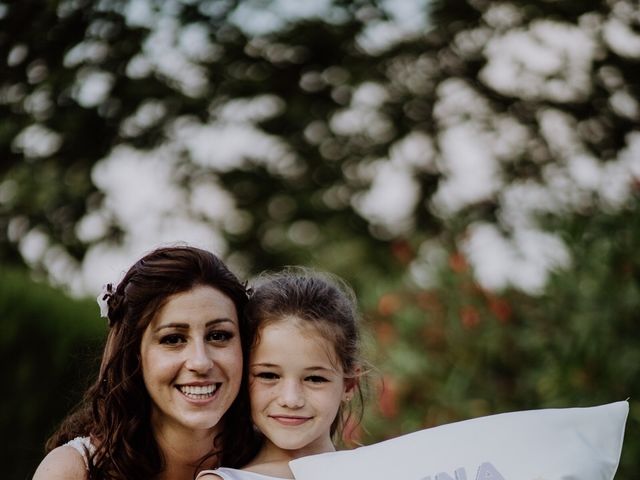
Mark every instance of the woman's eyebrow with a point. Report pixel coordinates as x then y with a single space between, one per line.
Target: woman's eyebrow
185 326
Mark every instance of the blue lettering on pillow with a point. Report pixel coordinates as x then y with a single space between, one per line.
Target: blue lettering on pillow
486 471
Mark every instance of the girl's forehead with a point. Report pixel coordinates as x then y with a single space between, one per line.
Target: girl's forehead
286 329
297 326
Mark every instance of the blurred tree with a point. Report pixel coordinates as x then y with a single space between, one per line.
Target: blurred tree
335 130
96 82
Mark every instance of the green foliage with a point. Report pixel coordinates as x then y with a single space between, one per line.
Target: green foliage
49 350
459 351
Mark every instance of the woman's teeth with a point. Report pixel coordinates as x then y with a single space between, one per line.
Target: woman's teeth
197 391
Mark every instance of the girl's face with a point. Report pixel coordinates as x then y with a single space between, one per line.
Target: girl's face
296 386
192 360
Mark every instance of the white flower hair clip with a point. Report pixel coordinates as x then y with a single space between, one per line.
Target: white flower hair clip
103 300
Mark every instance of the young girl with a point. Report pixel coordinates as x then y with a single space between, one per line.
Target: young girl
303 369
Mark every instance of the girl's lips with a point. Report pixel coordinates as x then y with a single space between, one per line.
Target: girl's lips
291 421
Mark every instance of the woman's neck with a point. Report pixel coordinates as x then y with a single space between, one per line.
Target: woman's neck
183 450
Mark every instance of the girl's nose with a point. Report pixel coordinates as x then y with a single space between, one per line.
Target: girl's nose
291 395
198 359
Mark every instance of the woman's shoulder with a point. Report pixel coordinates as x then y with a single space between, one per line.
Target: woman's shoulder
62 463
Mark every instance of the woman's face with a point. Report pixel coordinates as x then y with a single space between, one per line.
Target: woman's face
192 360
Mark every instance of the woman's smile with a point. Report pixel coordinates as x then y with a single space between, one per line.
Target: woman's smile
198 392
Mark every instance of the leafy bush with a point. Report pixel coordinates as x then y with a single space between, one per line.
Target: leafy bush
459 351
49 349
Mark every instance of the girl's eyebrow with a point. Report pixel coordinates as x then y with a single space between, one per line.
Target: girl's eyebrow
186 326
320 368
308 369
265 364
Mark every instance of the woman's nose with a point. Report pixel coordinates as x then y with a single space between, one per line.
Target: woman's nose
291 394
198 358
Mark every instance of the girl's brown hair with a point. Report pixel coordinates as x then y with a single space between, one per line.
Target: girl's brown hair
115 411
321 300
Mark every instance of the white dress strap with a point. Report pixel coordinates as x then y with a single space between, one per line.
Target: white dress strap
206 472
82 445
235 474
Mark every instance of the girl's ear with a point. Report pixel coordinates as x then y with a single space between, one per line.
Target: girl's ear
350 384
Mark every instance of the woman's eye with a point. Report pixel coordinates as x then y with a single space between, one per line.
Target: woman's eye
267 375
173 339
219 336
316 379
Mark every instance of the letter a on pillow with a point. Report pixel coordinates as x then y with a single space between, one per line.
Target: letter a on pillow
548 444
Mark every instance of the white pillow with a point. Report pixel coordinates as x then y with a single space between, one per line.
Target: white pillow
549 444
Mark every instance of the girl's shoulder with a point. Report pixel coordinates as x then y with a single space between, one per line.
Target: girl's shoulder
62 463
233 474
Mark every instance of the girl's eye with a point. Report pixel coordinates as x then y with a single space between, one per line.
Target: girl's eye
316 379
172 339
267 375
219 336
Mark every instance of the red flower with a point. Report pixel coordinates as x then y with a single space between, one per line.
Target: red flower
401 249
386 333
500 308
469 316
428 301
458 263
388 304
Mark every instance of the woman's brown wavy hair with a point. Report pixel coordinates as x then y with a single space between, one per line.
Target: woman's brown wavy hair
115 411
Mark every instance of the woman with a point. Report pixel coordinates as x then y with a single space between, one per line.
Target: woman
169 379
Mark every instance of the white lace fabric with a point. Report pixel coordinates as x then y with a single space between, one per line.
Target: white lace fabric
82 445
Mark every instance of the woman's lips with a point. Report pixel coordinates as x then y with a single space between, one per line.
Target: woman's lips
199 392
